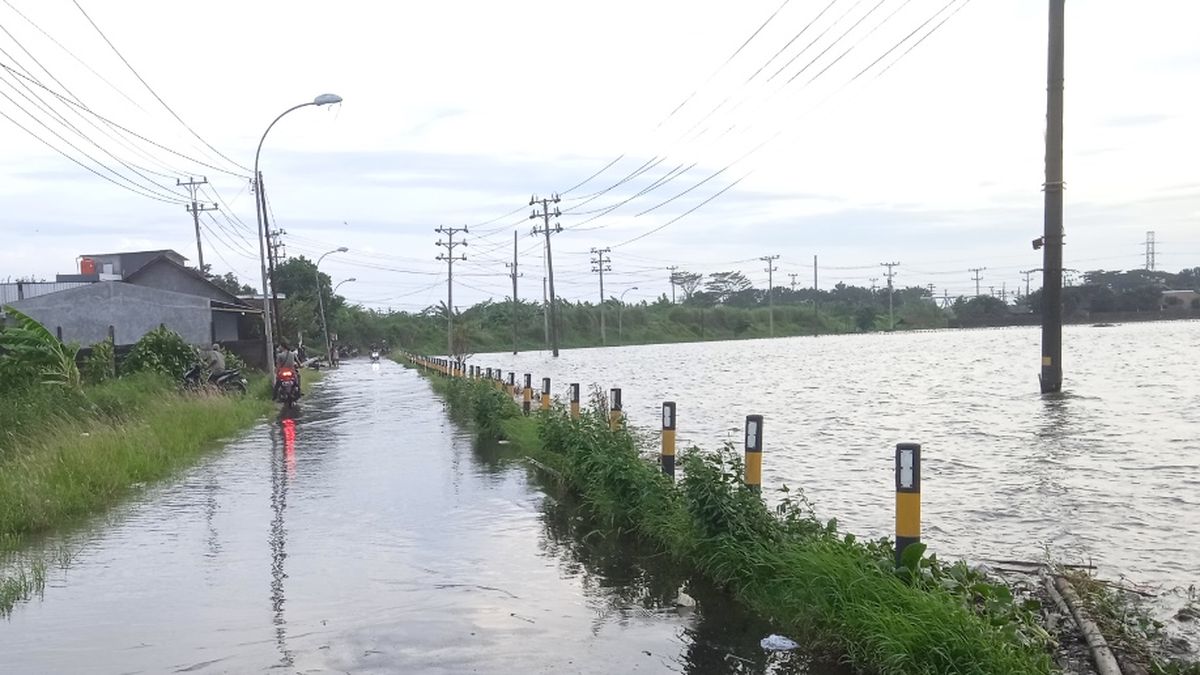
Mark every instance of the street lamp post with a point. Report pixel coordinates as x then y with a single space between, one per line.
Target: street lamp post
620 306
259 205
321 300
339 285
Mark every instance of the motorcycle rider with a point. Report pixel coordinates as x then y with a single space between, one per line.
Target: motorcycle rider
286 358
216 363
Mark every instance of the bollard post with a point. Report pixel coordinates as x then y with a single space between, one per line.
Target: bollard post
527 396
512 383
616 413
908 497
754 448
668 439
574 400
545 393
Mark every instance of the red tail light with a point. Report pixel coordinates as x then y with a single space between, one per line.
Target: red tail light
286 374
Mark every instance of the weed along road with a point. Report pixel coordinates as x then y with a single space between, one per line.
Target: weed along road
369 534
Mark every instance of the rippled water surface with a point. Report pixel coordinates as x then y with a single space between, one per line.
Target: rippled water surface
1109 472
369 535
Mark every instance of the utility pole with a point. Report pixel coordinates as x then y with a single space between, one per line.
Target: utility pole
889 275
196 208
449 257
1004 291
545 311
601 264
275 252
816 298
771 269
874 285
671 269
930 287
1150 252
793 275
512 266
1027 274
547 230
977 277
1051 374
992 291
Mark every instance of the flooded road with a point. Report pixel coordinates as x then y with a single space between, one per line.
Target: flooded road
1108 473
369 535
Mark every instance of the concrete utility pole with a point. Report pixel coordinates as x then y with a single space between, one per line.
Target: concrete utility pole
601 264
889 275
545 311
1051 374
545 214
671 269
771 269
793 275
1027 274
276 251
512 266
977 277
196 208
874 284
930 287
449 257
1150 252
816 298
273 243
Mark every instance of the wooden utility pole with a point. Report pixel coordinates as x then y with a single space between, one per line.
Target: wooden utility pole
1051 374
547 230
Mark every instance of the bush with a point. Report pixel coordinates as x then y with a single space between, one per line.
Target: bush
160 351
101 364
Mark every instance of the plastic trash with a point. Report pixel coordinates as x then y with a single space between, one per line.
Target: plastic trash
778 643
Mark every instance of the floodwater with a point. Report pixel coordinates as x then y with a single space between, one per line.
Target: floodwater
1107 473
370 534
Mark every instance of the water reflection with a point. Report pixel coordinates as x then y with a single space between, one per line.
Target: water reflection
283 470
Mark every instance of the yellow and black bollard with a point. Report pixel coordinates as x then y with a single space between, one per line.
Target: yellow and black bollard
527 395
908 497
545 393
616 413
512 383
668 439
574 400
754 448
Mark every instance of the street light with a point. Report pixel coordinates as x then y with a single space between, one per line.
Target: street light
339 284
323 99
321 300
620 305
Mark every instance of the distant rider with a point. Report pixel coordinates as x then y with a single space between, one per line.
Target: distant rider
285 358
216 363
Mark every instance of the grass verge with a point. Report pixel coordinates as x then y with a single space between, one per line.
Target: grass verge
845 597
68 455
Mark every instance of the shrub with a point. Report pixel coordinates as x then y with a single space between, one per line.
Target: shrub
29 353
160 351
101 364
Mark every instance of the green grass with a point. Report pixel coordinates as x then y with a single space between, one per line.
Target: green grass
840 595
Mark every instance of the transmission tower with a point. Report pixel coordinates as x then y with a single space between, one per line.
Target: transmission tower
1150 252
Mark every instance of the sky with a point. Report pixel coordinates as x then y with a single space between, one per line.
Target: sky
697 135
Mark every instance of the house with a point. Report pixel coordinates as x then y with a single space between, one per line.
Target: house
1179 301
127 295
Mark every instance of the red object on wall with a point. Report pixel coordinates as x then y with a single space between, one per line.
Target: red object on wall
87 266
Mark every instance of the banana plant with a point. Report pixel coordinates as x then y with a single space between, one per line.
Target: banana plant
28 348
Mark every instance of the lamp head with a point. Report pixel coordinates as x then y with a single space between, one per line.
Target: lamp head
327 99
342 249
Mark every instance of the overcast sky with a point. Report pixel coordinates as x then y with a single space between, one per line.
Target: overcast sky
455 112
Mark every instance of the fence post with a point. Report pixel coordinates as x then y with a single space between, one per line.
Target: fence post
574 400
754 448
908 497
668 439
616 414
545 393
527 396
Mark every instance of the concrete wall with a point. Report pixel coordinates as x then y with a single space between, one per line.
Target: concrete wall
85 313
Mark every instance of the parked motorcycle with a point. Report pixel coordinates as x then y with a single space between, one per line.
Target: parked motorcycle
230 380
287 389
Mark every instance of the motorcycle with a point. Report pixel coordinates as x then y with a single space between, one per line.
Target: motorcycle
287 389
230 380
375 355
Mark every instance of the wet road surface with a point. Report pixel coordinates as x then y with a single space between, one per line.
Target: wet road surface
369 534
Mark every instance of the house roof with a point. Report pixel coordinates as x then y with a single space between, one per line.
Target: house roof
229 298
161 251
